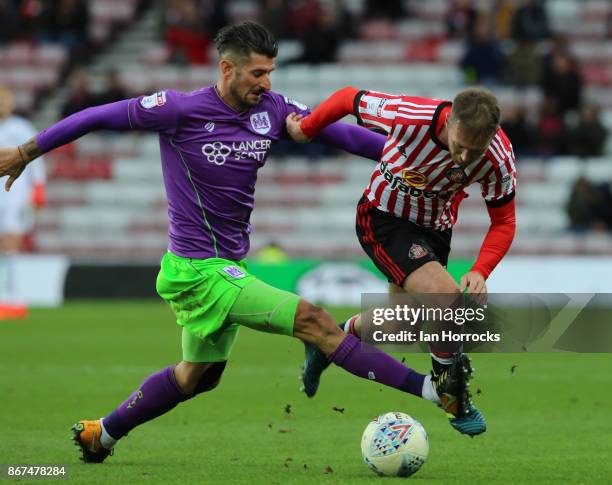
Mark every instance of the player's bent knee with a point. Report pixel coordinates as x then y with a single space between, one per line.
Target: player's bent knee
188 374
313 324
211 378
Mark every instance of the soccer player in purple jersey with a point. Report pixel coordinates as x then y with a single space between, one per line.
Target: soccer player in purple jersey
212 143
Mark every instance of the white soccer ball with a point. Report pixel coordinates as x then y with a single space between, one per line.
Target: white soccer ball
394 444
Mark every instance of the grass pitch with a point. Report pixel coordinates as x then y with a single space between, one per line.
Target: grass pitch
549 420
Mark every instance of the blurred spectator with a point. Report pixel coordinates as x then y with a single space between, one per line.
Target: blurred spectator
589 206
523 65
503 12
113 90
303 16
65 22
461 19
389 9
184 32
9 20
588 137
562 81
274 15
322 41
483 60
530 21
80 96
271 253
519 130
551 129
558 44
214 15
16 214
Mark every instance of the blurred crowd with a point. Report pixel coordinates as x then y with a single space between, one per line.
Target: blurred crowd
590 206
513 44
82 96
320 25
46 21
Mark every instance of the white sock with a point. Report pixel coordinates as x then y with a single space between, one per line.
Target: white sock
429 391
442 360
347 324
106 440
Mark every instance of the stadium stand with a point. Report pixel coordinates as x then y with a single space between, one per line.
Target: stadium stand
106 194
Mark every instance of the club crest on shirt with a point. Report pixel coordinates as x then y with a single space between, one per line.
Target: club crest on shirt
210 126
234 272
414 178
157 99
417 252
456 175
261 122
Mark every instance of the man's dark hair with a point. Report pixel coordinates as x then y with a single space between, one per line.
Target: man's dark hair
245 38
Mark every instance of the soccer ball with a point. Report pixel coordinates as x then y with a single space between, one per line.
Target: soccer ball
394 444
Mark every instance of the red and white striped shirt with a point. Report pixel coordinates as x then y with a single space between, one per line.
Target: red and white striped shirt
416 178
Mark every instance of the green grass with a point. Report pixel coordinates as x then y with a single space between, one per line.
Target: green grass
549 422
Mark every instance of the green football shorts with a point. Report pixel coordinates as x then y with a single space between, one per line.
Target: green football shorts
213 297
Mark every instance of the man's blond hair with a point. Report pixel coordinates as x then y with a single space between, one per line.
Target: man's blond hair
478 112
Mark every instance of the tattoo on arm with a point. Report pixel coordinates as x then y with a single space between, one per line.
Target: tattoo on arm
31 150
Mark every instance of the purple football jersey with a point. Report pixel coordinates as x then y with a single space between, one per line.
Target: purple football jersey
210 156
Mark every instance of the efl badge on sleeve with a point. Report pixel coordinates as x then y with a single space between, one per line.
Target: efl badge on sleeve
417 252
506 183
414 178
456 175
157 99
261 122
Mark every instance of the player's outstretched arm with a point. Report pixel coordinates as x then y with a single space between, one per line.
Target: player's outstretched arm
353 139
337 106
113 116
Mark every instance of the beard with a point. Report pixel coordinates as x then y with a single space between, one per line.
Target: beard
242 101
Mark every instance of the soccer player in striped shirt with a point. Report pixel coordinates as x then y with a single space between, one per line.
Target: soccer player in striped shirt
434 149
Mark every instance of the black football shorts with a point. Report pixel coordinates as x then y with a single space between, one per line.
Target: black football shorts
397 246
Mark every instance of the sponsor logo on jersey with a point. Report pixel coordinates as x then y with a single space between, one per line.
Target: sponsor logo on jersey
261 122
216 152
456 175
234 272
210 126
398 183
417 252
414 178
157 99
